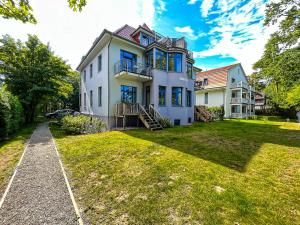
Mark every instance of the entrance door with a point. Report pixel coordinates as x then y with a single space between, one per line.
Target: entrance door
147 96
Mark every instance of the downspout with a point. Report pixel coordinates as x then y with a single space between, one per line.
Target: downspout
108 84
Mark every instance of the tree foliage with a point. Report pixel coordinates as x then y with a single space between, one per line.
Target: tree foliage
21 9
279 67
33 73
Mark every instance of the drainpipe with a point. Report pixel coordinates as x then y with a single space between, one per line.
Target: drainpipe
108 84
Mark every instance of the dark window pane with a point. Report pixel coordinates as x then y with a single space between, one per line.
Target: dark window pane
128 94
188 98
176 96
160 59
162 96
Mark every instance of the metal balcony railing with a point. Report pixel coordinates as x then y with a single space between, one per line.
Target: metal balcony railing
126 65
240 84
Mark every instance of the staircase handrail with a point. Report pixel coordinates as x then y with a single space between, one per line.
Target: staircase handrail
144 111
157 116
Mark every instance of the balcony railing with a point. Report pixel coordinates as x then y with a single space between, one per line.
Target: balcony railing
239 101
240 84
126 65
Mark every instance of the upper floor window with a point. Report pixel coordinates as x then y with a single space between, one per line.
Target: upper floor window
128 61
189 70
84 75
160 59
99 63
128 94
149 58
176 96
205 81
188 98
91 70
175 62
144 40
162 95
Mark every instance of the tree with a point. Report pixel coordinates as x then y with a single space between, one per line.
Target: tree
21 9
279 67
33 73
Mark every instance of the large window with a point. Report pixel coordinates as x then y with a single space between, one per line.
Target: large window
176 96
128 94
149 58
161 95
91 70
99 63
91 98
188 98
175 62
128 61
99 96
189 70
160 60
206 98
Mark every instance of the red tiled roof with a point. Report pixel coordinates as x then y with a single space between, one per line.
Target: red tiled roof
146 27
216 77
125 32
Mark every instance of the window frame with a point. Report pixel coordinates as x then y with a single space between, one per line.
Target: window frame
188 98
91 70
99 62
176 93
99 96
84 76
91 98
84 100
206 98
133 91
160 56
174 56
162 97
189 66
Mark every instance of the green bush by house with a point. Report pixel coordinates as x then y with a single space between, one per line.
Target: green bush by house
217 111
82 124
11 113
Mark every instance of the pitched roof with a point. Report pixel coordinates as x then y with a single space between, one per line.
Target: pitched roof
145 26
125 32
216 77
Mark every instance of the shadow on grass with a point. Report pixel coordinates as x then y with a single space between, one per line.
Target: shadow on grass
230 143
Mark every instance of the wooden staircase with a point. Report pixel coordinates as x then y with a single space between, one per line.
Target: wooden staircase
150 118
201 114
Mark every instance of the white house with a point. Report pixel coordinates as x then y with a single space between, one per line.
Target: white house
136 74
226 86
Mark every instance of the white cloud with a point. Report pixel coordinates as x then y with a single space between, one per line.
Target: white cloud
71 34
161 7
236 32
189 32
206 6
191 2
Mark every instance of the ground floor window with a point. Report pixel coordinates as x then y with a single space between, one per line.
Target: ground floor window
91 98
235 109
177 122
161 95
176 96
99 96
84 100
206 98
128 94
188 98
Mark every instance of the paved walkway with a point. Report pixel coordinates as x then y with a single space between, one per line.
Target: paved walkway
38 193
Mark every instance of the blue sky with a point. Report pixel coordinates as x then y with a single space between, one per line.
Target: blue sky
219 32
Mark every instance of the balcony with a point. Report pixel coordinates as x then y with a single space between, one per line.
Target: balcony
198 85
130 70
239 101
240 84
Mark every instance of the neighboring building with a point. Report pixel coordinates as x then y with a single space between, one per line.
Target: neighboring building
133 72
226 86
260 101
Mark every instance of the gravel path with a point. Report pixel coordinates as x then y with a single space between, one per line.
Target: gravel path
38 193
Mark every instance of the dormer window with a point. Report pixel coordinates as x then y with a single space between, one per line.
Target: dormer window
205 81
144 40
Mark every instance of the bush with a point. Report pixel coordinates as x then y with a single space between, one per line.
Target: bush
217 112
82 124
166 122
11 113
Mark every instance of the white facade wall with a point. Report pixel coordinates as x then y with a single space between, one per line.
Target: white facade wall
215 97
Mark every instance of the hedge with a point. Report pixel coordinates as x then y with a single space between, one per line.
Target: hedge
11 113
82 124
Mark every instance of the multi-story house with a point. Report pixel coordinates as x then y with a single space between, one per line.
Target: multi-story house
228 87
136 74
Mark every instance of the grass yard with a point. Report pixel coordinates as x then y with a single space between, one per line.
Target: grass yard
10 153
234 171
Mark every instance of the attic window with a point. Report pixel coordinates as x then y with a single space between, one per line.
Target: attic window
144 40
205 81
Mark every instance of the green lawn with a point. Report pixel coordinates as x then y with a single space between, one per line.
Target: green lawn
10 153
240 171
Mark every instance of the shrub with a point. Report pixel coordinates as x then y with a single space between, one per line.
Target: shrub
166 122
11 113
217 112
82 124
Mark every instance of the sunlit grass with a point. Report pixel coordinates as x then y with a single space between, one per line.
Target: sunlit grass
241 171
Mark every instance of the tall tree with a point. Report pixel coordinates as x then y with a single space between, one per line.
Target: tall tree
279 66
21 9
33 73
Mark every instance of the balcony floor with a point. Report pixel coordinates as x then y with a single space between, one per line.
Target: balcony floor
132 76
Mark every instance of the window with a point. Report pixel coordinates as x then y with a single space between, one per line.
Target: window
175 62
205 81
84 100
177 122
235 109
161 95
149 58
188 98
91 70
189 70
160 60
128 61
99 63
232 80
144 40
99 96
128 94
206 98
176 96
189 120
84 76
91 98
